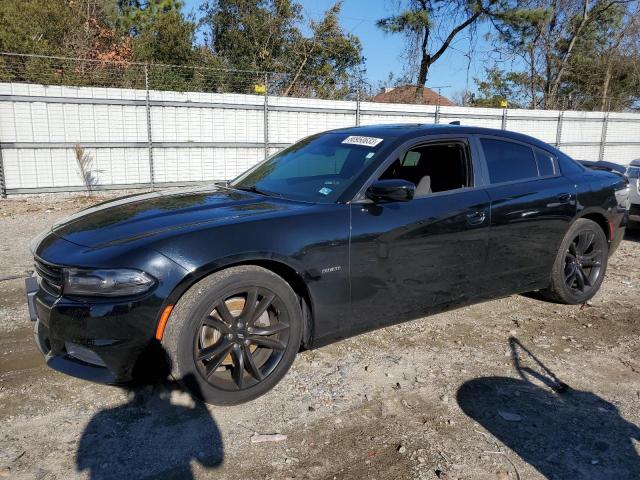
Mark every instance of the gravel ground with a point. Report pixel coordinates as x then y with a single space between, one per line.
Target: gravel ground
515 388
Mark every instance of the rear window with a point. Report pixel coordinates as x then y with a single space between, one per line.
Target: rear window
508 161
545 163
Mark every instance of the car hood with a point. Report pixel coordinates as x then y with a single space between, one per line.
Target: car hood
141 216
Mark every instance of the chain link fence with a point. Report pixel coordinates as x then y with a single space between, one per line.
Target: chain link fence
71 124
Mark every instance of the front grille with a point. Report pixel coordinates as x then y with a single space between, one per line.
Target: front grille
635 209
50 275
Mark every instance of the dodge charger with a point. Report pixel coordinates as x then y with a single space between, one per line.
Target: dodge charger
341 233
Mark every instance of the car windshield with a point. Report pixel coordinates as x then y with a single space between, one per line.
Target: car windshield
633 171
316 169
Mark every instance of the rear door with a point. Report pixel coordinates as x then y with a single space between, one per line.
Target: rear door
410 258
532 205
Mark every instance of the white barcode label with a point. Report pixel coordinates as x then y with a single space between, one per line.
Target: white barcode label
365 141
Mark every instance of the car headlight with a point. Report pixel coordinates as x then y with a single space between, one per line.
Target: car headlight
106 282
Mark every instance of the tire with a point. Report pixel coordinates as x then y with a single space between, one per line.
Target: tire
580 264
223 350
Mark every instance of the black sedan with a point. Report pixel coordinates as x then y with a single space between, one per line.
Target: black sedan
343 232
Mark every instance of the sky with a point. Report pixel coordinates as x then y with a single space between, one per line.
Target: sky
453 72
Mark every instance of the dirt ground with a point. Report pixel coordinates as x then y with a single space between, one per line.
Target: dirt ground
515 388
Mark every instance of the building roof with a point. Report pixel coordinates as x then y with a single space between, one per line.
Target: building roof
407 94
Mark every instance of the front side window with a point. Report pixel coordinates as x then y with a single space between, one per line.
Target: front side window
316 169
436 167
508 161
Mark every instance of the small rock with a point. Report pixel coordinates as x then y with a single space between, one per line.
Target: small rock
276 437
402 449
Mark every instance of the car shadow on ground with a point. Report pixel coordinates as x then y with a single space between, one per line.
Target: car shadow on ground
161 432
561 432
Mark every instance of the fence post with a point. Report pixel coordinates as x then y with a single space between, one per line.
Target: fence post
358 105
266 115
3 185
559 129
603 137
149 137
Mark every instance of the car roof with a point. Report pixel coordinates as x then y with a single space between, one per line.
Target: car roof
635 163
406 131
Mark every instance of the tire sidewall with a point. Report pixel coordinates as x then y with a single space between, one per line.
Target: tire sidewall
184 323
558 284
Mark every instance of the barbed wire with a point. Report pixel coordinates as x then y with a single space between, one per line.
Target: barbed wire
83 72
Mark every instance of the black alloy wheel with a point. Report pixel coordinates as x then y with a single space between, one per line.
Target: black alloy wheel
583 262
580 264
234 334
242 340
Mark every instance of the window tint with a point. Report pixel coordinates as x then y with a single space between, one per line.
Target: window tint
314 165
508 161
545 163
317 169
411 159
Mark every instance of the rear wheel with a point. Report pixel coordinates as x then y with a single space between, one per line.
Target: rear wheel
580 265
234 335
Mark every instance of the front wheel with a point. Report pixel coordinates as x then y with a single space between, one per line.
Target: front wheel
580 265
234 335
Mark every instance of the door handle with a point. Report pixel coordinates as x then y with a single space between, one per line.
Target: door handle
477 217
564 198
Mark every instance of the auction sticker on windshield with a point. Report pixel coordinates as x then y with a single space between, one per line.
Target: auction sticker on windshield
365 141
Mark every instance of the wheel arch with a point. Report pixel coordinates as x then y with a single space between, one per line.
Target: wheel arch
601 219
289 274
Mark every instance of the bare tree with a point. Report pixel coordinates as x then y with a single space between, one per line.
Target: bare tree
543 35
430 27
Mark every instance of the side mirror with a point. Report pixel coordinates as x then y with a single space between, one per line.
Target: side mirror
391 190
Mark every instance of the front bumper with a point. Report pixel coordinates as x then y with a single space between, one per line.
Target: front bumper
99 342
634 212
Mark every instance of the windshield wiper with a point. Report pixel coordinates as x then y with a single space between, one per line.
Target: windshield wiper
254 189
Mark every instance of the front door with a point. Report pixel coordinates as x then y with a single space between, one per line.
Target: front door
411 258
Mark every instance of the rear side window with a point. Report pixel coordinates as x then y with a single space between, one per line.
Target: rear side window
545 163
508 161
